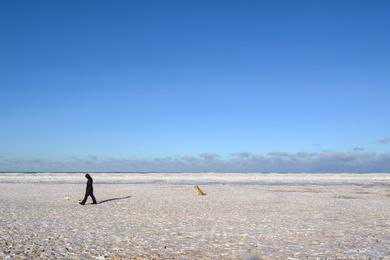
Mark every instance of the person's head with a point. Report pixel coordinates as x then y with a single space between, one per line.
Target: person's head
88 176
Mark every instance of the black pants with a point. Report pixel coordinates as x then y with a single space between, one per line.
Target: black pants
86 197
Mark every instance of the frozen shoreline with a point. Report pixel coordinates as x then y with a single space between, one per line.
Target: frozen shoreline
202 178
165 221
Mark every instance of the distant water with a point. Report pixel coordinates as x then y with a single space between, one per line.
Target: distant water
290 179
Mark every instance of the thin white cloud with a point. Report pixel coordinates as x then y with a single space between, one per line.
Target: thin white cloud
241 154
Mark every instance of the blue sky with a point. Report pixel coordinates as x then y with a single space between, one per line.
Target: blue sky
97 85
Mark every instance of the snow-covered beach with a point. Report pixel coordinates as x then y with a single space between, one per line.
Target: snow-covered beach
159 216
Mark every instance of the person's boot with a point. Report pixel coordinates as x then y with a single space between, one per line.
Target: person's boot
93 199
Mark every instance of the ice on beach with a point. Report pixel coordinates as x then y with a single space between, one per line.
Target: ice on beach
302 216
201 178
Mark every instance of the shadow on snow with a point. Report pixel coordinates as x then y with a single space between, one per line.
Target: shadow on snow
118 198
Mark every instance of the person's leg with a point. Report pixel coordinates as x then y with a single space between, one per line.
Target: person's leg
85 199
93 198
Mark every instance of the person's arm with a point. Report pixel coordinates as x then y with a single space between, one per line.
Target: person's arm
89 186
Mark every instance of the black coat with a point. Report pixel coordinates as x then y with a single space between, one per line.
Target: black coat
89 189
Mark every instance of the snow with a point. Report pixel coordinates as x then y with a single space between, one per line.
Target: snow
159 216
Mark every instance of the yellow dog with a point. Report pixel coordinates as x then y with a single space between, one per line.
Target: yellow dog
199 191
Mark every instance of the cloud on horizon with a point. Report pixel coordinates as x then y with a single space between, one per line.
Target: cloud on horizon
325 161
385 140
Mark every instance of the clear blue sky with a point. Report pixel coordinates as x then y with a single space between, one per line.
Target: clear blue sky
155 79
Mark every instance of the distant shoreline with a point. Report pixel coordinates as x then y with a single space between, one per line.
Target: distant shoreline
192 172
289 179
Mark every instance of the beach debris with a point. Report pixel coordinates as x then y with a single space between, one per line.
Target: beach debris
199 191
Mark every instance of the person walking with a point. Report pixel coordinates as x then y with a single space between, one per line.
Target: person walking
89 190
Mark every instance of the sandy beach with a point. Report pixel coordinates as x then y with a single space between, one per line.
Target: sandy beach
310 216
